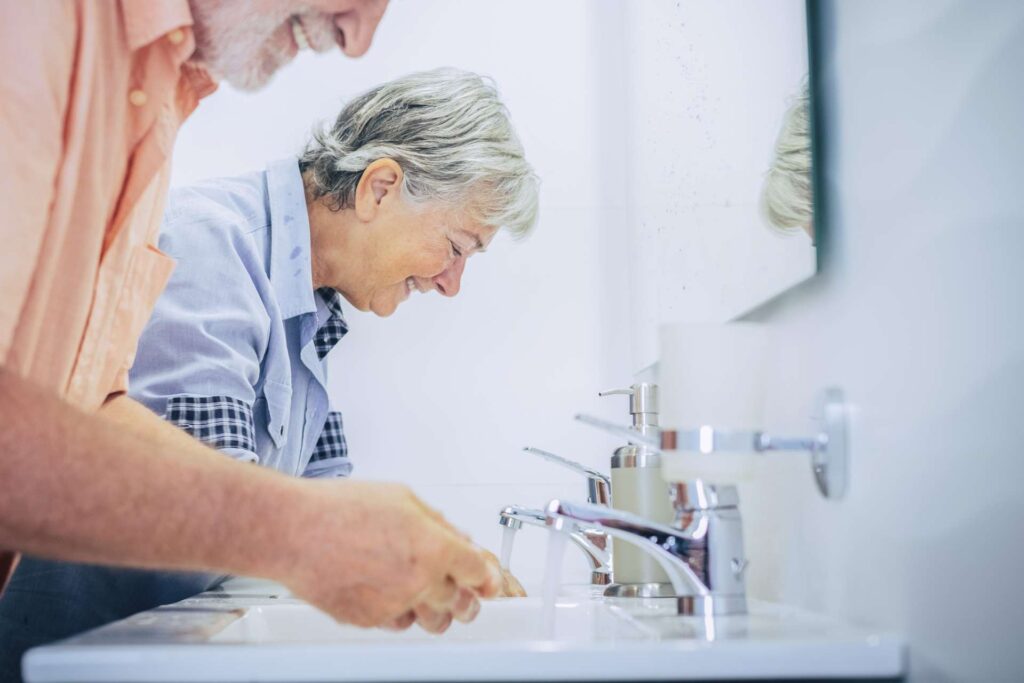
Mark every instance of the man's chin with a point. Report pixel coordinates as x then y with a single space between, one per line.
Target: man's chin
255 78
250 82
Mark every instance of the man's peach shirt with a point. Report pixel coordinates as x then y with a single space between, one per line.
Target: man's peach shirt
91 98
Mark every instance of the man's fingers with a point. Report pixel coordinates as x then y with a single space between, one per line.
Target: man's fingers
440 596
469 568
401 623
511 588
431 620
466 606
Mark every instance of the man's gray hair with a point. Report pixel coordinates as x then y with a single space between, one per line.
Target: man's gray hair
451 135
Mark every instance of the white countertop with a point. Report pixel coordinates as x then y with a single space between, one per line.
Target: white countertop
254 631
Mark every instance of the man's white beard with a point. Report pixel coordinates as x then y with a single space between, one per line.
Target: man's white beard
231 41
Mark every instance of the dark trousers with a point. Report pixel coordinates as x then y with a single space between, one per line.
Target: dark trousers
47 601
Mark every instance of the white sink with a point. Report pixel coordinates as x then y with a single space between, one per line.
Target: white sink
499 621
255 632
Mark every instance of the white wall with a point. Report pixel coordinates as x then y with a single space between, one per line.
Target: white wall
445 393
918 315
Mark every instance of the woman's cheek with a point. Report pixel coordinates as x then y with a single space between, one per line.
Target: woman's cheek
436 262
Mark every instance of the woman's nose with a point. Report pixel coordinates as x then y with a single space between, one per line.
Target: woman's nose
449 280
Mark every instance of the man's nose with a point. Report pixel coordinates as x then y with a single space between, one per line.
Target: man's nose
359 24
450 279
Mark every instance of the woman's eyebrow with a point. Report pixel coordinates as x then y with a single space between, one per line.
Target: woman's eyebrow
478 245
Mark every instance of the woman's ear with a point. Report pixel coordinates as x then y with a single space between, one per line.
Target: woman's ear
380 183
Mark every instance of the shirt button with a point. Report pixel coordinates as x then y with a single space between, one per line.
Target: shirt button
137 98
176 36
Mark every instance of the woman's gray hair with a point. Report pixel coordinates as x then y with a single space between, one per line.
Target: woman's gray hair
451 135
787 197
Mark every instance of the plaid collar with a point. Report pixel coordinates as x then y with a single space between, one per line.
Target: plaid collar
334 328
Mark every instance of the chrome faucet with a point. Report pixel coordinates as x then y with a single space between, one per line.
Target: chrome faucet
589 540
702 552
599 492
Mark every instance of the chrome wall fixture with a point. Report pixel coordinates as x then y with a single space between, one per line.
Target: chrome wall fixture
827 446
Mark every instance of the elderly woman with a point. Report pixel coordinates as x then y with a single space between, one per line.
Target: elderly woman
412 179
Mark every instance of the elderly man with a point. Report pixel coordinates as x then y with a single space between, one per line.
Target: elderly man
413 178
92 96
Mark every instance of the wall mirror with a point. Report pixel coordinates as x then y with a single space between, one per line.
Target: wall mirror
719 157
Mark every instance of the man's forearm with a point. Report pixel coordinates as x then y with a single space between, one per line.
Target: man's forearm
132 416
126 491
88 488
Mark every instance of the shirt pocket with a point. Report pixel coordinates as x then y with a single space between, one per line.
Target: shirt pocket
278 400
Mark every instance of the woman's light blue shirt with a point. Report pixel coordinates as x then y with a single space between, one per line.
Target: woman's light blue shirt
230 347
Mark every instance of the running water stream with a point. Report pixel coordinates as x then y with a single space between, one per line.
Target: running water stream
508 539
553 579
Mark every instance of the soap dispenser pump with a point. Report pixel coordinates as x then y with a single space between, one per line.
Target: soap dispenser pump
638 487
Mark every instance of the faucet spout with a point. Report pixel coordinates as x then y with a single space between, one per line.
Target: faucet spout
666 544
587 539
702 552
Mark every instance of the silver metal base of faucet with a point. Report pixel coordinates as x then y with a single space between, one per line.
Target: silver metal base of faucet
711 605
600 578
687 605
640 590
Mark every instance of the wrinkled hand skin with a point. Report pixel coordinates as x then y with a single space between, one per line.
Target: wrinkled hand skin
427 572
465 607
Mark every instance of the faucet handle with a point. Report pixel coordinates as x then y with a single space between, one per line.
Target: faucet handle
599 486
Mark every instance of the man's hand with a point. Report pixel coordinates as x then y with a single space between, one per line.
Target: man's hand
373 554
510 586
437 607
465 606
367 553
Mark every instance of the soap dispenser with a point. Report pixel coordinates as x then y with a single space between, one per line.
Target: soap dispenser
638 487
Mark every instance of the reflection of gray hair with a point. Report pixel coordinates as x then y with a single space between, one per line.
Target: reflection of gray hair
787 197
452 137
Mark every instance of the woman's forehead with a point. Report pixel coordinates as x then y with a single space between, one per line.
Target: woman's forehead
463 220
